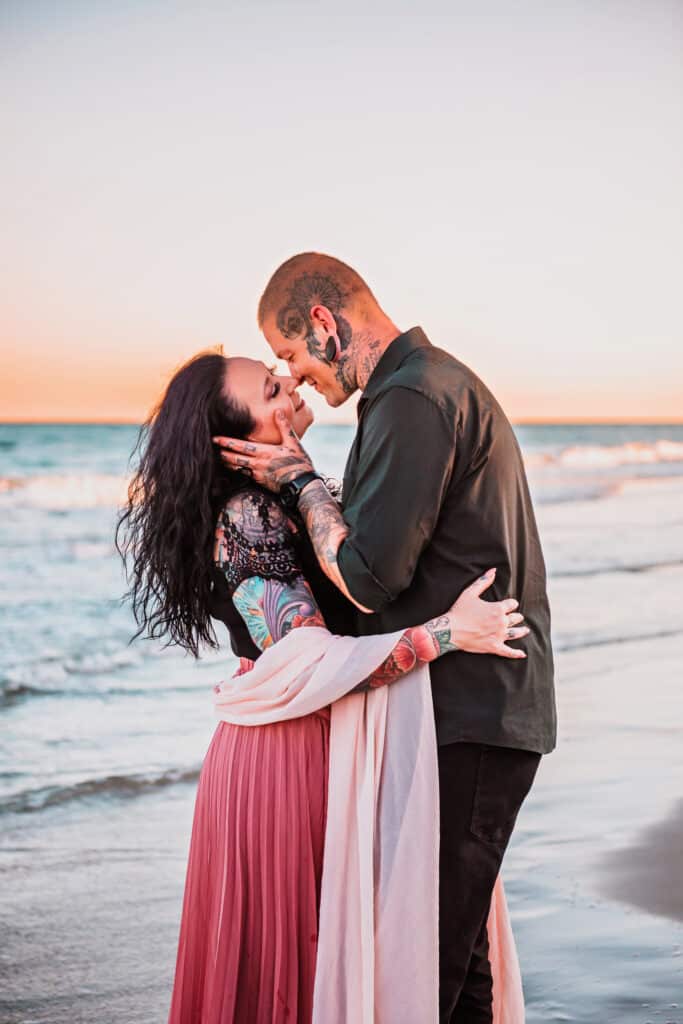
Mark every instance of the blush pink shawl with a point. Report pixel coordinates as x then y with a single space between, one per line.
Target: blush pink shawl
378 950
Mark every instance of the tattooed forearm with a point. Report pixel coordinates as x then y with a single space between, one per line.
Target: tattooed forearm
271 609
418 644
327 529
401 661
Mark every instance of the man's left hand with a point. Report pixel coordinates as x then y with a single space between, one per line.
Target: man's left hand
271 465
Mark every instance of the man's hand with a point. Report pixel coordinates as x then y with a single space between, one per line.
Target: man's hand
271 465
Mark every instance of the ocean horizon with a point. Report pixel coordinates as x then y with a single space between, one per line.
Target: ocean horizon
565 421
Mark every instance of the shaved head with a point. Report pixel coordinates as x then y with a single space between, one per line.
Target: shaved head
306 280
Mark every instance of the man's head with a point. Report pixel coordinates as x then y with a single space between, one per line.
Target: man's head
318 314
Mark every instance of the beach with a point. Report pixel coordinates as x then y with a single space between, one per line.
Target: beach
97 774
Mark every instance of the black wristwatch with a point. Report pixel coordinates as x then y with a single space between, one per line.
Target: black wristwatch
289 493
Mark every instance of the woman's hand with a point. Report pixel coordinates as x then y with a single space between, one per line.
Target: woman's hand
483 627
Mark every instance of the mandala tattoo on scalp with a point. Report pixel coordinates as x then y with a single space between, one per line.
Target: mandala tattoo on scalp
308 290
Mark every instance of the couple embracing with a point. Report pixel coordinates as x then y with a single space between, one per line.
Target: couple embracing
395 691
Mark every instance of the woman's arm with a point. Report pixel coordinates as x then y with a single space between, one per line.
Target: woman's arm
271 609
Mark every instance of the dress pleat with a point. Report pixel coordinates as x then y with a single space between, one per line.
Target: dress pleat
249 926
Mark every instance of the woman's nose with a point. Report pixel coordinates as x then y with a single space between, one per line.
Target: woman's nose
291 384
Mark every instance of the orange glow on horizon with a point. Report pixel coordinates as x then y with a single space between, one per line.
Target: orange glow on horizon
90 388
59 378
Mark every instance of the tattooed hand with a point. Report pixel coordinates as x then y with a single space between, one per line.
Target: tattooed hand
271 465
478 626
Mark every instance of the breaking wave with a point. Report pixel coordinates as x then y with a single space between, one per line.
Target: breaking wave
117 786
63 491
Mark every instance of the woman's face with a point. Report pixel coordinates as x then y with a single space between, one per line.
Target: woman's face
252 384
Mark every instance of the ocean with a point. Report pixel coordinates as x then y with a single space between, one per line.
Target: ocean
92 757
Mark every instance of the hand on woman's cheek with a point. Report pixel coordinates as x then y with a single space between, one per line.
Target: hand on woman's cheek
274 429
266 431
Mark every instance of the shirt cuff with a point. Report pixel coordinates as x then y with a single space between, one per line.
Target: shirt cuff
363 586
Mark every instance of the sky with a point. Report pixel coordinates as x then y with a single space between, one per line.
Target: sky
507 175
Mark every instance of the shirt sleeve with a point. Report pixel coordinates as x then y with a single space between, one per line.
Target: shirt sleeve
406 458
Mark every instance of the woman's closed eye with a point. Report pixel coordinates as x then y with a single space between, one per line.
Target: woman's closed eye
275 389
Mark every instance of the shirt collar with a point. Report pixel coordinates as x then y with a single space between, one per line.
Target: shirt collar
392 357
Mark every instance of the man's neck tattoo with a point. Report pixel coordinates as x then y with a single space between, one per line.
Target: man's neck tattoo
369 356
357 362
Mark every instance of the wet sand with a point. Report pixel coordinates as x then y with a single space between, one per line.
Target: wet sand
649 874
590 859
92 891
90 911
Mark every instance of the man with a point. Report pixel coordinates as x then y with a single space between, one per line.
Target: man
434 493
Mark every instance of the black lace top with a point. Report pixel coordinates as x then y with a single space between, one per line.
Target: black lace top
257 537
258 540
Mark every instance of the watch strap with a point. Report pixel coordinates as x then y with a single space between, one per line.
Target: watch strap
291 491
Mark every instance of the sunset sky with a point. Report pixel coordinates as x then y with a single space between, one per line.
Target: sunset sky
506 175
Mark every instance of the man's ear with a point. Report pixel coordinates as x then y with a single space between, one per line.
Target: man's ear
322 318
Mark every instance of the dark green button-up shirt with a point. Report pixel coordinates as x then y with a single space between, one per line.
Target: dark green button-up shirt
434 494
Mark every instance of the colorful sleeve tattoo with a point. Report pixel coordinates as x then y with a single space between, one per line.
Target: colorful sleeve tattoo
271 609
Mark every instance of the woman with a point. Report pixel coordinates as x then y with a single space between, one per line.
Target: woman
203 542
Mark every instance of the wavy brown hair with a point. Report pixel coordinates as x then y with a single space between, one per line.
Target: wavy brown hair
165 531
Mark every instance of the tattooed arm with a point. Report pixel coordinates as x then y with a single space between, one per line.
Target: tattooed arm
271 609
326 527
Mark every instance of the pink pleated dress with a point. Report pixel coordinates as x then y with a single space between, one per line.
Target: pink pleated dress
249 928
249 925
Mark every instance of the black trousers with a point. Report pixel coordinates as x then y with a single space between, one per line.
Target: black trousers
481 790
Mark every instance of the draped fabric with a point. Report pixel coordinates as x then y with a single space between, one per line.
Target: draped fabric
377 950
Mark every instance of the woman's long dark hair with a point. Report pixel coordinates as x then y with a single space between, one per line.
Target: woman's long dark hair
165 532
